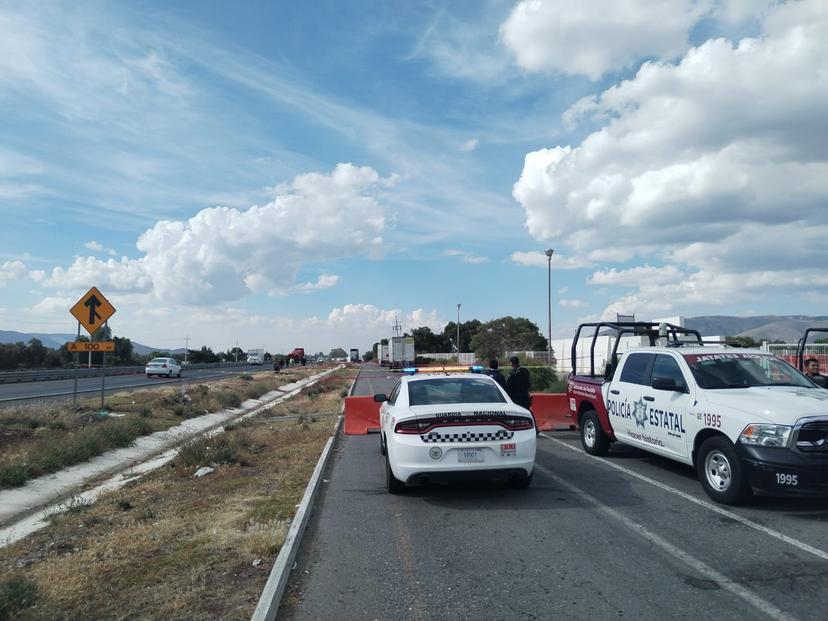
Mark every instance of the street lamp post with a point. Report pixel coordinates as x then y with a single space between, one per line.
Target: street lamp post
458 333
549 254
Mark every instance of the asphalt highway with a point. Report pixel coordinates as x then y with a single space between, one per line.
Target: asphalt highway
629 535
11 394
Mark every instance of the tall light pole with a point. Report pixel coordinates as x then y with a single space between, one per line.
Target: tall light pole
458 333
549 254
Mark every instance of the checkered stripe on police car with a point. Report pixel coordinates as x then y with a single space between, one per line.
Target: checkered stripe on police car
467 437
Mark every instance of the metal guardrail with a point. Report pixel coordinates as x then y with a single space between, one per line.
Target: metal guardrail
40 375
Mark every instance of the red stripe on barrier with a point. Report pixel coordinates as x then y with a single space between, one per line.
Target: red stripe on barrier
551 411
361 415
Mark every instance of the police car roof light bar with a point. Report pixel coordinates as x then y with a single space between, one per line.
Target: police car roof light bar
476 368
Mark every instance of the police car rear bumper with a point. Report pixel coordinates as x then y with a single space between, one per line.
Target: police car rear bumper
415 461
783 472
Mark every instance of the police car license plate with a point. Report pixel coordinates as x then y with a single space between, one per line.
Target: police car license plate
470 456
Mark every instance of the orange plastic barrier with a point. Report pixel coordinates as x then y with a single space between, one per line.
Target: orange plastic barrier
551 411
361 415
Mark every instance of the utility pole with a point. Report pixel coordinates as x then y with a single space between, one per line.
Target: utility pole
458 332
186 347
549 254
397 326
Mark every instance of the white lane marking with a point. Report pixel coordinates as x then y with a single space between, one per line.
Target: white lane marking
703 503
702 568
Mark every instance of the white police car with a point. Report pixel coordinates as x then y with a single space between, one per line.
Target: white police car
448 426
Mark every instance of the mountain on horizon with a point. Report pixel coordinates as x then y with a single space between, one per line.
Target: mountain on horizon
55 340
787 328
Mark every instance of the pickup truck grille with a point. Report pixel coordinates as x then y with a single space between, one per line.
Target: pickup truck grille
813 437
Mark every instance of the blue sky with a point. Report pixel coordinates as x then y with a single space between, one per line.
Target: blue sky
280 174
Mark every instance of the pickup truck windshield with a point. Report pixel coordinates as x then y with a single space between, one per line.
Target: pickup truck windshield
453 390
743 370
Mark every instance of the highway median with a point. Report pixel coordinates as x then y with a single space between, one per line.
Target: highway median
205 543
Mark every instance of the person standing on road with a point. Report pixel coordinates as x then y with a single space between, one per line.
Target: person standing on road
518 384
812 371
495 373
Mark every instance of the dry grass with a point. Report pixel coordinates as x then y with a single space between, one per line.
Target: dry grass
171 546
39 439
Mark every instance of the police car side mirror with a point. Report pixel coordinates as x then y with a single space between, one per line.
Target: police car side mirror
380 397
667 383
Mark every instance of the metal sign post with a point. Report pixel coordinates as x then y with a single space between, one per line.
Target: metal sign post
103 372
91 311
77 359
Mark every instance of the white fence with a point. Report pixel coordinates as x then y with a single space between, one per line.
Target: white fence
467 358
787 351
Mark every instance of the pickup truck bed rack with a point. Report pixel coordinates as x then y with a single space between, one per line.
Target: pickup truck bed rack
652 330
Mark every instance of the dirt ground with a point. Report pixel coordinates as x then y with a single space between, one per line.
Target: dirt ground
172 546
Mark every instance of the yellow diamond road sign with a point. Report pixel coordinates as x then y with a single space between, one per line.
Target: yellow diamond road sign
92 310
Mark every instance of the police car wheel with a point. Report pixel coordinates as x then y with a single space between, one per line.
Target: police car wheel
593 439
392 483
382 444
521 482
721 472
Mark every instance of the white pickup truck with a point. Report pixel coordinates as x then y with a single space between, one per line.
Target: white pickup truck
746 420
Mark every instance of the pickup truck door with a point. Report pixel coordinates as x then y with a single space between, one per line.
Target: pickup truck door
625 406
667 408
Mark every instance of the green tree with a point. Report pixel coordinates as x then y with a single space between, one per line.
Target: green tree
744 340
203 355
425 341
467 331
495 337
123 351
338 352
35 353
368 356
104 333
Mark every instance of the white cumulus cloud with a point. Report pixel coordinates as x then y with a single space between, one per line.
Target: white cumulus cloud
636 275
223 254
11 270
593 37
325 281
97 247
539 259
717 162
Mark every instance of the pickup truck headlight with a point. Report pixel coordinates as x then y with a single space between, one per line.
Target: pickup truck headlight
765 435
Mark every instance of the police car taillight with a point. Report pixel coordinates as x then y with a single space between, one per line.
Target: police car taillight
412 426
518 423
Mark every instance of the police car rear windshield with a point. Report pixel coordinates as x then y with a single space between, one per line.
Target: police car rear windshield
453 390
743 370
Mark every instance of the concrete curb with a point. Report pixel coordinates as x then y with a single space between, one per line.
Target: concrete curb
272 593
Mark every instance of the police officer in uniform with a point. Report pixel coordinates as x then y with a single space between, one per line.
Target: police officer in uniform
518 384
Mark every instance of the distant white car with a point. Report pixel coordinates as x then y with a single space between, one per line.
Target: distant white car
163 366
454 426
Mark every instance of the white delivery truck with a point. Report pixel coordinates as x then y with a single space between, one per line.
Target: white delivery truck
402 352
255 356
383 353
354 355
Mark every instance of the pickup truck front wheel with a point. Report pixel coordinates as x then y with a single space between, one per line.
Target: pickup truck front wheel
721 472
593 438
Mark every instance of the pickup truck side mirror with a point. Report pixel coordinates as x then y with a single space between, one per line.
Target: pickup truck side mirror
667 383
380 397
